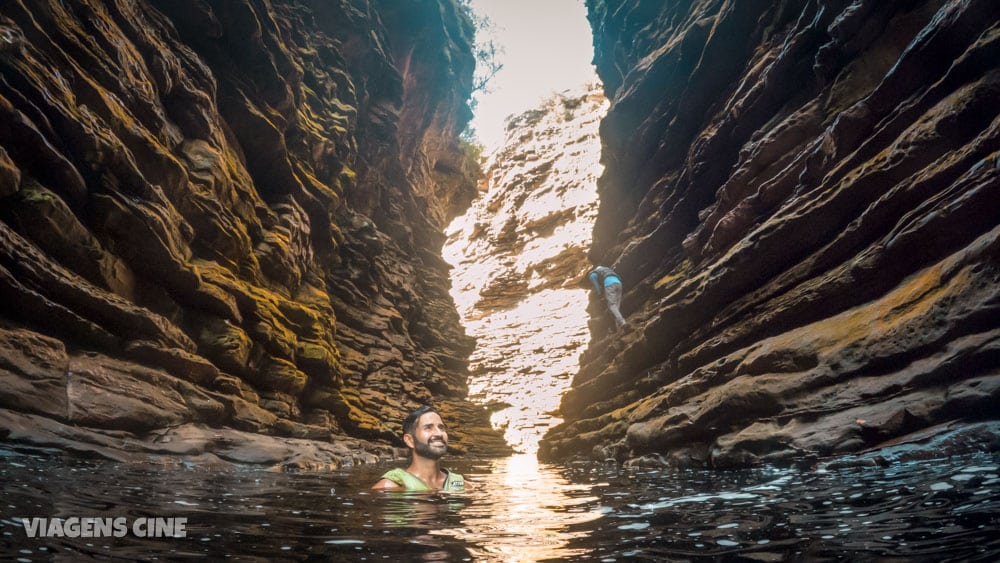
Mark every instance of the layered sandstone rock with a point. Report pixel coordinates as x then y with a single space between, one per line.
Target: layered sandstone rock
229 215
519 253
801 197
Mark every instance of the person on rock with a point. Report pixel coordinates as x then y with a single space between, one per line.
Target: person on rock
607 283
424 433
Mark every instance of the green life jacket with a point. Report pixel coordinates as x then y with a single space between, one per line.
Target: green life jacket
452 481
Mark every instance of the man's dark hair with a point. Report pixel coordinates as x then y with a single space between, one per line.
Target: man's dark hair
411 419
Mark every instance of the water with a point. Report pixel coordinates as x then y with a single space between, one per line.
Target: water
516 511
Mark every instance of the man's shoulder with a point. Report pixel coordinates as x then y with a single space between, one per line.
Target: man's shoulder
404 479
397 474
391 480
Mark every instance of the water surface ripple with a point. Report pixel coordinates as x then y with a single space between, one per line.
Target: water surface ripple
516 510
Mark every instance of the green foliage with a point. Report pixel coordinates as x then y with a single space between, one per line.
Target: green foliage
488 52
472 150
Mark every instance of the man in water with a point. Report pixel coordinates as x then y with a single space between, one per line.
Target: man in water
424 433
607 283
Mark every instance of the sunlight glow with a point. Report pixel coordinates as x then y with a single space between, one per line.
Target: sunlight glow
547 48
518 255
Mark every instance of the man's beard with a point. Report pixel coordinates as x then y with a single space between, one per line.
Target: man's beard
433 451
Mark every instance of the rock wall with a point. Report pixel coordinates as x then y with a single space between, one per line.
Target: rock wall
229 215
518 254
801 199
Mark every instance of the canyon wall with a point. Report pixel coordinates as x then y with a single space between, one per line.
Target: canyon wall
801 197
519 252
221 226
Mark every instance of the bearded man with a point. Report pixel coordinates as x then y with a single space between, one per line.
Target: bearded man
425 434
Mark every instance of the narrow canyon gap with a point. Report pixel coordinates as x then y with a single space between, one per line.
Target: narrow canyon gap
519 254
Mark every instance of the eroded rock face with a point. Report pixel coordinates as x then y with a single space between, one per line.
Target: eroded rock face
229 215
519 255
801 197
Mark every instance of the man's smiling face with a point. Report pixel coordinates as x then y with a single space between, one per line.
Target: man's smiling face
430 439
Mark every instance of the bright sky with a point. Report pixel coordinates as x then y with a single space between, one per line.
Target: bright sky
547 48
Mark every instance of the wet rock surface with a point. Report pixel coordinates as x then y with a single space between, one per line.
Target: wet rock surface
226 216
801 199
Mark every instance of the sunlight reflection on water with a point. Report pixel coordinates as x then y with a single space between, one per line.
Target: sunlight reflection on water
539 508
